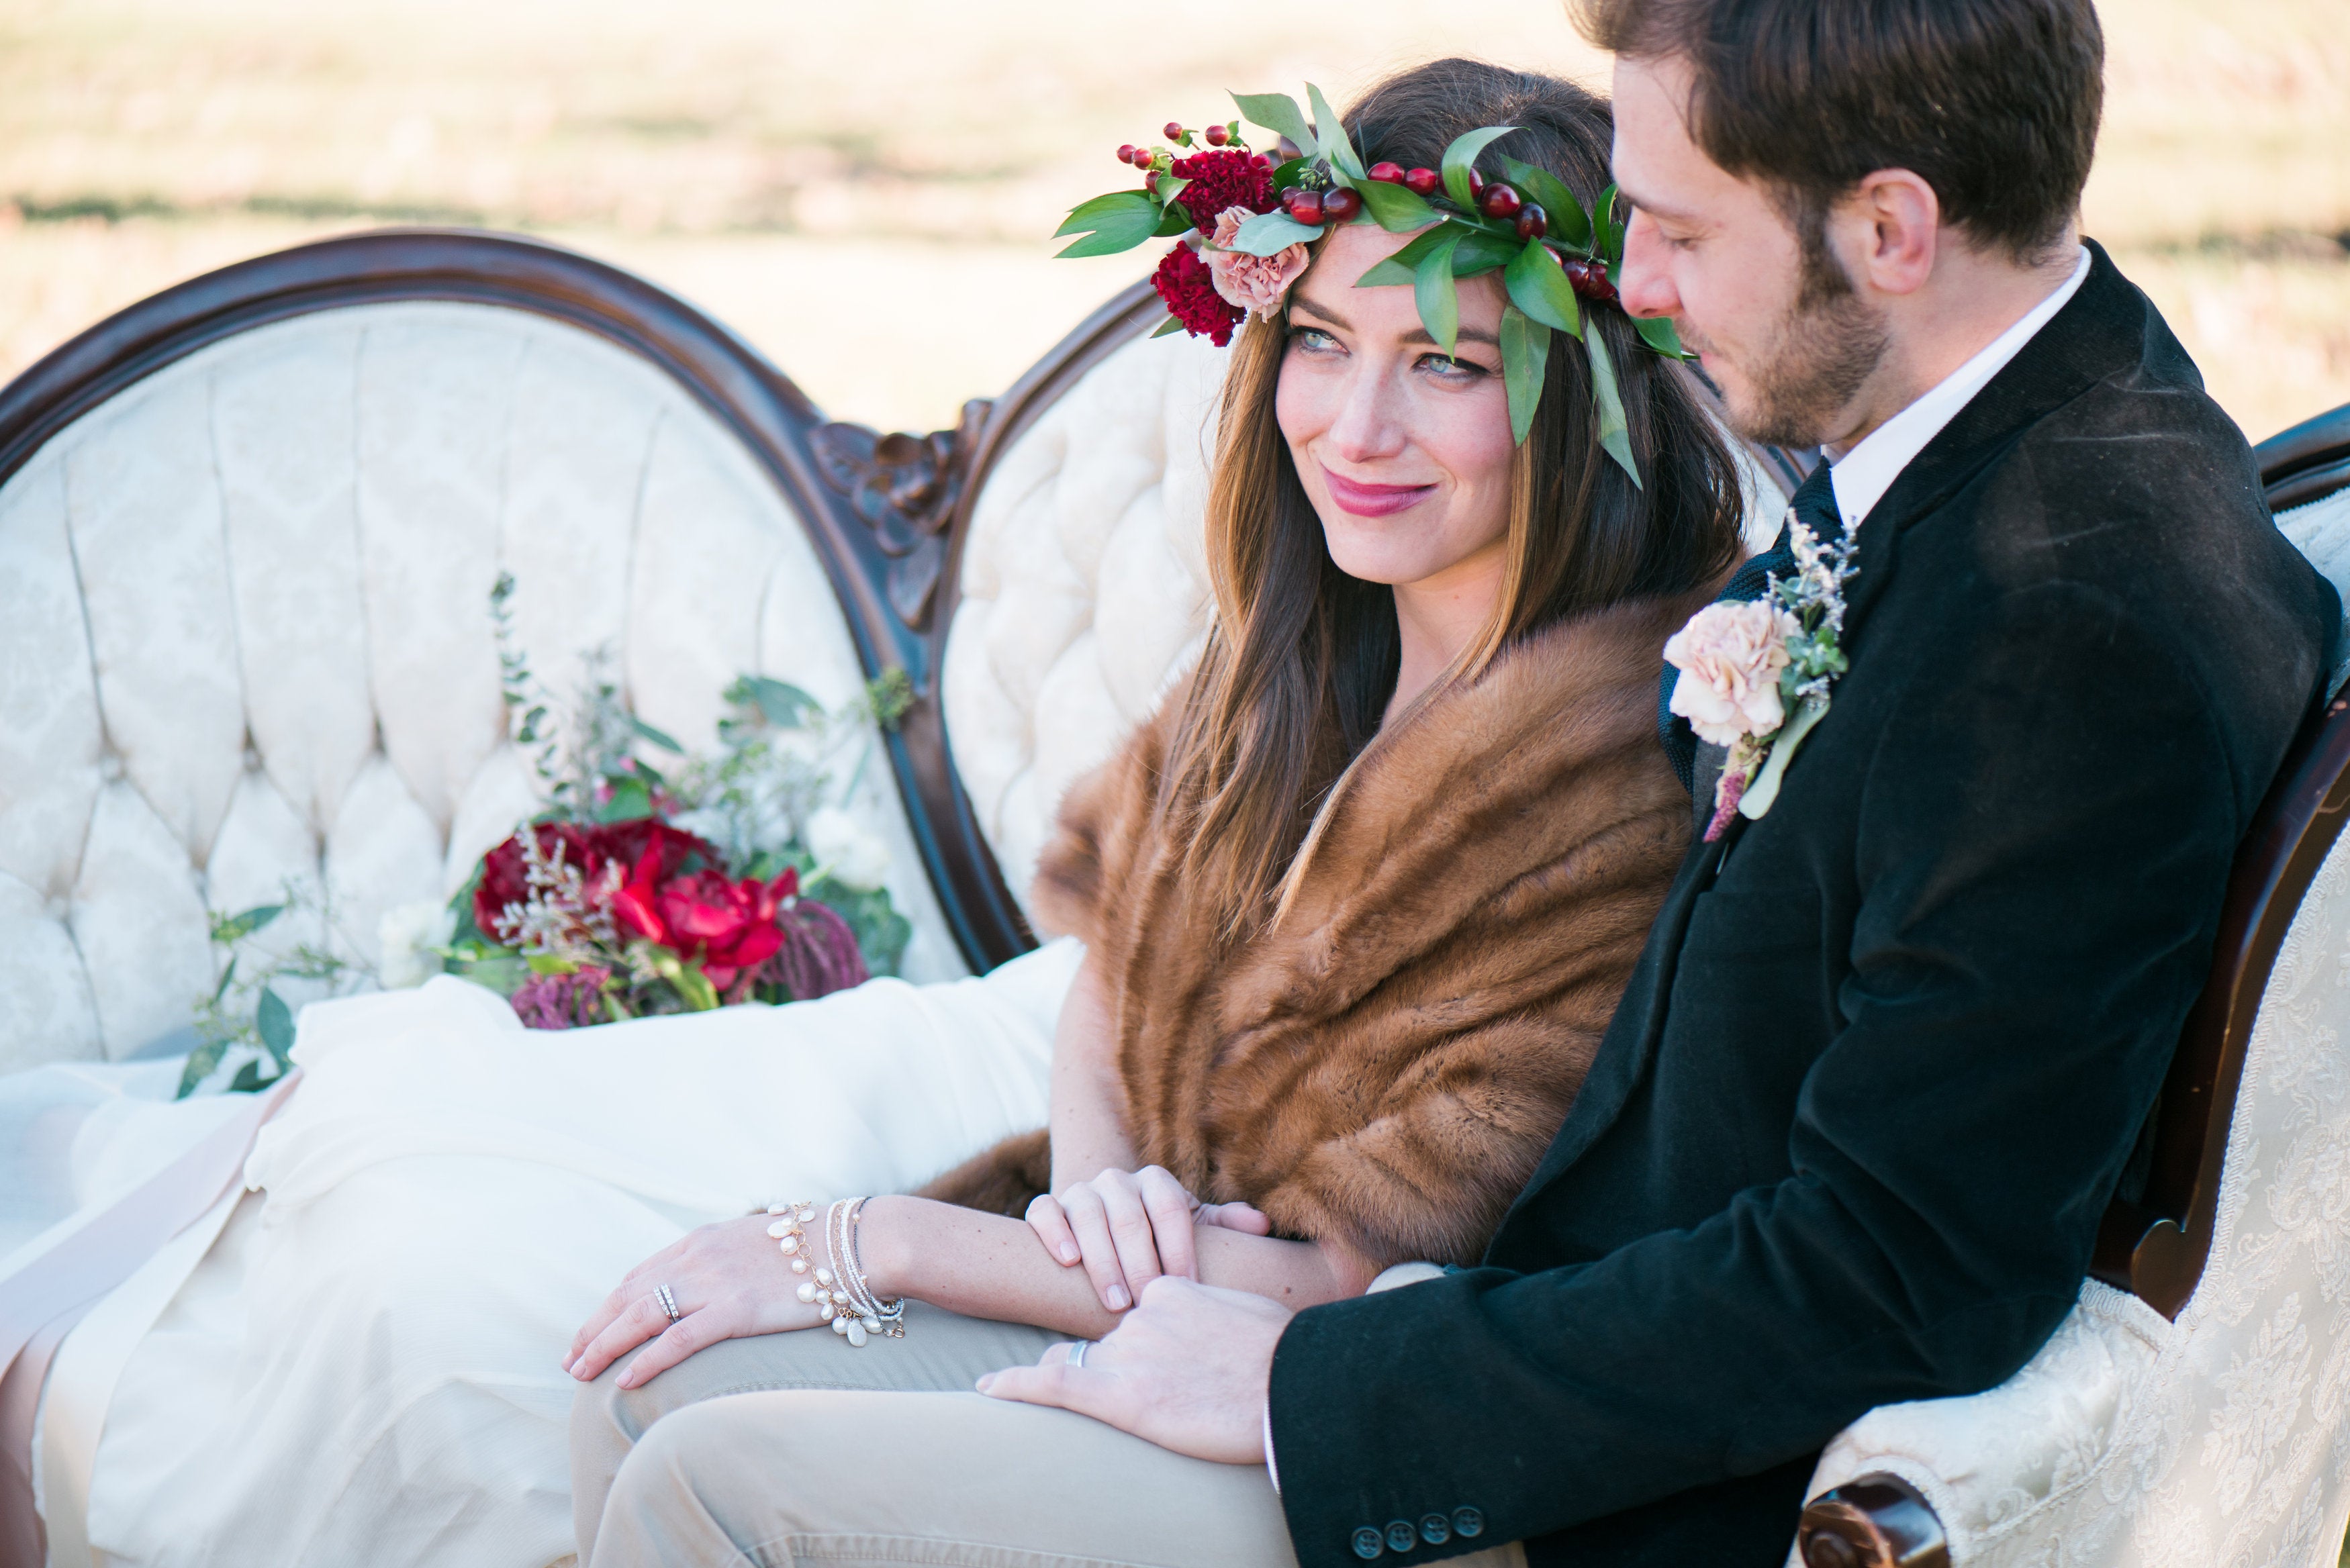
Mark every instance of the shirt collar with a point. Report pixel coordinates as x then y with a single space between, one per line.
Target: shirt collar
1862 476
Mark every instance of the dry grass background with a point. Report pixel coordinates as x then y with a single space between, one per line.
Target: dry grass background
865 190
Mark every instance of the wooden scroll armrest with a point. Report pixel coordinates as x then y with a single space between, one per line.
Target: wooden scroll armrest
1876 1520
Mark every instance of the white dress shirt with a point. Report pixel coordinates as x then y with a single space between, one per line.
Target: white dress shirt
1863 475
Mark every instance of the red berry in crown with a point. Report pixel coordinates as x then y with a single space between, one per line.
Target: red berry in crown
1307 208
1590 280
1499 201
1217 135
1172 131
1126 153
1421 182
1476 187
1533 221
1340 206
1387 174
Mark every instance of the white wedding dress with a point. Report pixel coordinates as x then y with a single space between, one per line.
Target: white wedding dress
362 1368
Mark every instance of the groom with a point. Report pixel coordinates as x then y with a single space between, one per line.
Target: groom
1891 1046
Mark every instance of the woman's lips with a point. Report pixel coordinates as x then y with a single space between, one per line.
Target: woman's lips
1373 500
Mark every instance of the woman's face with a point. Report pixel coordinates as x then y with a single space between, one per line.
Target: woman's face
1404 454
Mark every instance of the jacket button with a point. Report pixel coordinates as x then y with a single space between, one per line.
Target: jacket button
1401 1537
1468 1521
1436 1530
1368 1543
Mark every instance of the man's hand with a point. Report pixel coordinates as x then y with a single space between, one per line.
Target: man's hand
1187 1369
1128 1226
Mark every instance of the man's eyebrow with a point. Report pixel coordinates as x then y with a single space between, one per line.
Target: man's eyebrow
1654 209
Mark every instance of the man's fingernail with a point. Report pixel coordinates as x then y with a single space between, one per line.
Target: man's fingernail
987 1381
1069 1253
1118 1300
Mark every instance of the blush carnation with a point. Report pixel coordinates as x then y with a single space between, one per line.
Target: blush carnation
1252 283
1226 178
1189 288
1730 656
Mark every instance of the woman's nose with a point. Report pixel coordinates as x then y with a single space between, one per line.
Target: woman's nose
1366 425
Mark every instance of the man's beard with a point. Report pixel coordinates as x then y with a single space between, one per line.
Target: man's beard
1826 346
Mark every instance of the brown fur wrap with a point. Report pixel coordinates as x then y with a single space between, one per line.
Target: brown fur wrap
1383 1066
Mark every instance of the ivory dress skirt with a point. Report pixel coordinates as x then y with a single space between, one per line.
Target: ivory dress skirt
361 1368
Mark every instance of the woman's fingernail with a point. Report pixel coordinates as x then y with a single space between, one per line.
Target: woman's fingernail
1118 1300
1069 1253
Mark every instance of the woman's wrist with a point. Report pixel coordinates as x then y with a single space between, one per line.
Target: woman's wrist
886 1245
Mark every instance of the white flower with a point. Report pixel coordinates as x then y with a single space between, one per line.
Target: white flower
1730 656
407 935
841 845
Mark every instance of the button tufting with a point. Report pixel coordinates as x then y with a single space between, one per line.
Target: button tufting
1401 1536
110 768
1467 1521
1435 1529
1368 1543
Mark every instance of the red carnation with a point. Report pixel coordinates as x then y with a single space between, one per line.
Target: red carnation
1187 286
1228 178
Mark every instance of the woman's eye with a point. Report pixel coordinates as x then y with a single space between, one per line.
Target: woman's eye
1447 369
1313 340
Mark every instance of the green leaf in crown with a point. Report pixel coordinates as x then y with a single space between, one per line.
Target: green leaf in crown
1557 258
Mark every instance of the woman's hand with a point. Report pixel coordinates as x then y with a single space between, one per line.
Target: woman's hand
1127 1228
729 1281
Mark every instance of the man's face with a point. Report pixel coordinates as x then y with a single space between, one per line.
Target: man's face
1781 332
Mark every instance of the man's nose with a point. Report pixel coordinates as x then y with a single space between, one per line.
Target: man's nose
1645 285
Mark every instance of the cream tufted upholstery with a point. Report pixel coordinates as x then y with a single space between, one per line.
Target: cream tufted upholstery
2222 1440
244 635
1084 586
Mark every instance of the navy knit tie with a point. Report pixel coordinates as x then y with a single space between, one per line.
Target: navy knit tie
1814 503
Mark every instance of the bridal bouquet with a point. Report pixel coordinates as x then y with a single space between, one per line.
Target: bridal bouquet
727 879
639 893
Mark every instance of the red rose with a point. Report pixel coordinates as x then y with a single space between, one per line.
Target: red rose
589 847
1189 288
729 926
1230 178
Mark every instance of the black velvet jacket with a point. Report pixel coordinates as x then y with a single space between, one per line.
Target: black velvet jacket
1888 1048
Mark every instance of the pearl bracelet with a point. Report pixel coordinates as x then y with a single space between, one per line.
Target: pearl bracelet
839 1293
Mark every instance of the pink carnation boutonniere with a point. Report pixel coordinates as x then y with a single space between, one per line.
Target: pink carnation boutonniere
1755 677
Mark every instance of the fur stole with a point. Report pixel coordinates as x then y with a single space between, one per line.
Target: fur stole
1384 1065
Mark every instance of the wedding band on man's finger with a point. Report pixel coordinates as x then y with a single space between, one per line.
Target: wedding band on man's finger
667 1303
1077 1352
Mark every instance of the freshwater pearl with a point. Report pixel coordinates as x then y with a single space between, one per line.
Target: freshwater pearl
782 1228
824 1276
806 1215
872 1324
841 1325
791 1244
823 1310
807 1292
855 1334
799 1265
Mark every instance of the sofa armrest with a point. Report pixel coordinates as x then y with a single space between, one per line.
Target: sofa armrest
2005 1460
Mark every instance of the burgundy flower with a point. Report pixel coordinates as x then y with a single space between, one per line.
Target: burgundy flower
1229 178
587 846
562 1000
818 955
1189 288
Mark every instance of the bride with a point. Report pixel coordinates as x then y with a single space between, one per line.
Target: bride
1347 919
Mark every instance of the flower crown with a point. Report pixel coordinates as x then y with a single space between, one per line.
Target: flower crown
1253 219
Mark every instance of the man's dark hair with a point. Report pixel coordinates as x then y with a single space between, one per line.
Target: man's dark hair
1994 103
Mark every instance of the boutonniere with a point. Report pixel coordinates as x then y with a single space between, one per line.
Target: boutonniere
1755 677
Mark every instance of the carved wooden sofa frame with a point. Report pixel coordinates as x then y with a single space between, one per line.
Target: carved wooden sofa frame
889 515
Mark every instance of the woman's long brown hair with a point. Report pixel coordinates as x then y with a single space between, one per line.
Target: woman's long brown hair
1301 659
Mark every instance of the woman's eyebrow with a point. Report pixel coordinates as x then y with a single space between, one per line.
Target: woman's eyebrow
1417 335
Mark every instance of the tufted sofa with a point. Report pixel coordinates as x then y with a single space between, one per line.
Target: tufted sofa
250 529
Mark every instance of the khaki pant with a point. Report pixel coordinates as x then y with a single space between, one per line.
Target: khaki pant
794 1449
